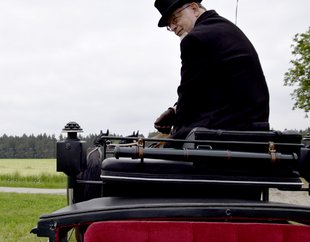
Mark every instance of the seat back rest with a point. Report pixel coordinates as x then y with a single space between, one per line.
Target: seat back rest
253 141
155 231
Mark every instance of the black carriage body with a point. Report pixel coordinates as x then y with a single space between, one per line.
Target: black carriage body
81 215
221 176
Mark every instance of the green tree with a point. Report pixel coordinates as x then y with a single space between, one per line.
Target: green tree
299 74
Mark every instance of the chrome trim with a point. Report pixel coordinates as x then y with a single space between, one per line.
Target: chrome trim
126 178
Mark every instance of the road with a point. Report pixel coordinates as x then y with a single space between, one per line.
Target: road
300 198
33 190
292 197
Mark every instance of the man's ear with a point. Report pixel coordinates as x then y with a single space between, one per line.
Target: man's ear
195 8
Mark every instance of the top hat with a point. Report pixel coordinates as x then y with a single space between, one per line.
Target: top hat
167 7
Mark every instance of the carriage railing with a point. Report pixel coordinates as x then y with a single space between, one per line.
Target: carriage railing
72 154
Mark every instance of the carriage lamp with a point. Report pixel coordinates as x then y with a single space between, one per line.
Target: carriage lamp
71 152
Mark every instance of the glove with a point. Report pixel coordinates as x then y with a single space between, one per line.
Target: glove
165 121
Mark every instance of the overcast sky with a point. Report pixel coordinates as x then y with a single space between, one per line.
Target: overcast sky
106 64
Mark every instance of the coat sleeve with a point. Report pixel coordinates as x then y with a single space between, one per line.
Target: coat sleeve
192 87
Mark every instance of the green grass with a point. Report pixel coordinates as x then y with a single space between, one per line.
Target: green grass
19 213
28 167
34 181
36 173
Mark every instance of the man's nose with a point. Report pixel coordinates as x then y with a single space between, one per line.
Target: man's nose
173 26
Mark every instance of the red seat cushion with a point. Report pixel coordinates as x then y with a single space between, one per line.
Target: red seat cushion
151 231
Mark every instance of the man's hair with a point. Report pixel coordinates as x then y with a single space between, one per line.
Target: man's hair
201 6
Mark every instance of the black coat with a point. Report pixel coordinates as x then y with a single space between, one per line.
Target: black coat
222 82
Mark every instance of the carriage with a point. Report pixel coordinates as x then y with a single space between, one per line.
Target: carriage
213 187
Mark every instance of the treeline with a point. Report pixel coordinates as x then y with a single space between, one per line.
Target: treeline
40 146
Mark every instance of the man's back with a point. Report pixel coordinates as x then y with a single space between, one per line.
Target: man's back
222 82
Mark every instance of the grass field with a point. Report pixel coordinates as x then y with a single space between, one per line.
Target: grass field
36 173
19 213
28 167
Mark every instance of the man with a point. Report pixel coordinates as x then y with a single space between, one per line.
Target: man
222 83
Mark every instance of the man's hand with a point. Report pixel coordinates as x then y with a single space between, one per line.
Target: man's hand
165 121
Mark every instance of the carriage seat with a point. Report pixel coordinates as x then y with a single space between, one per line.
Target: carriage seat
152 231
253 141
